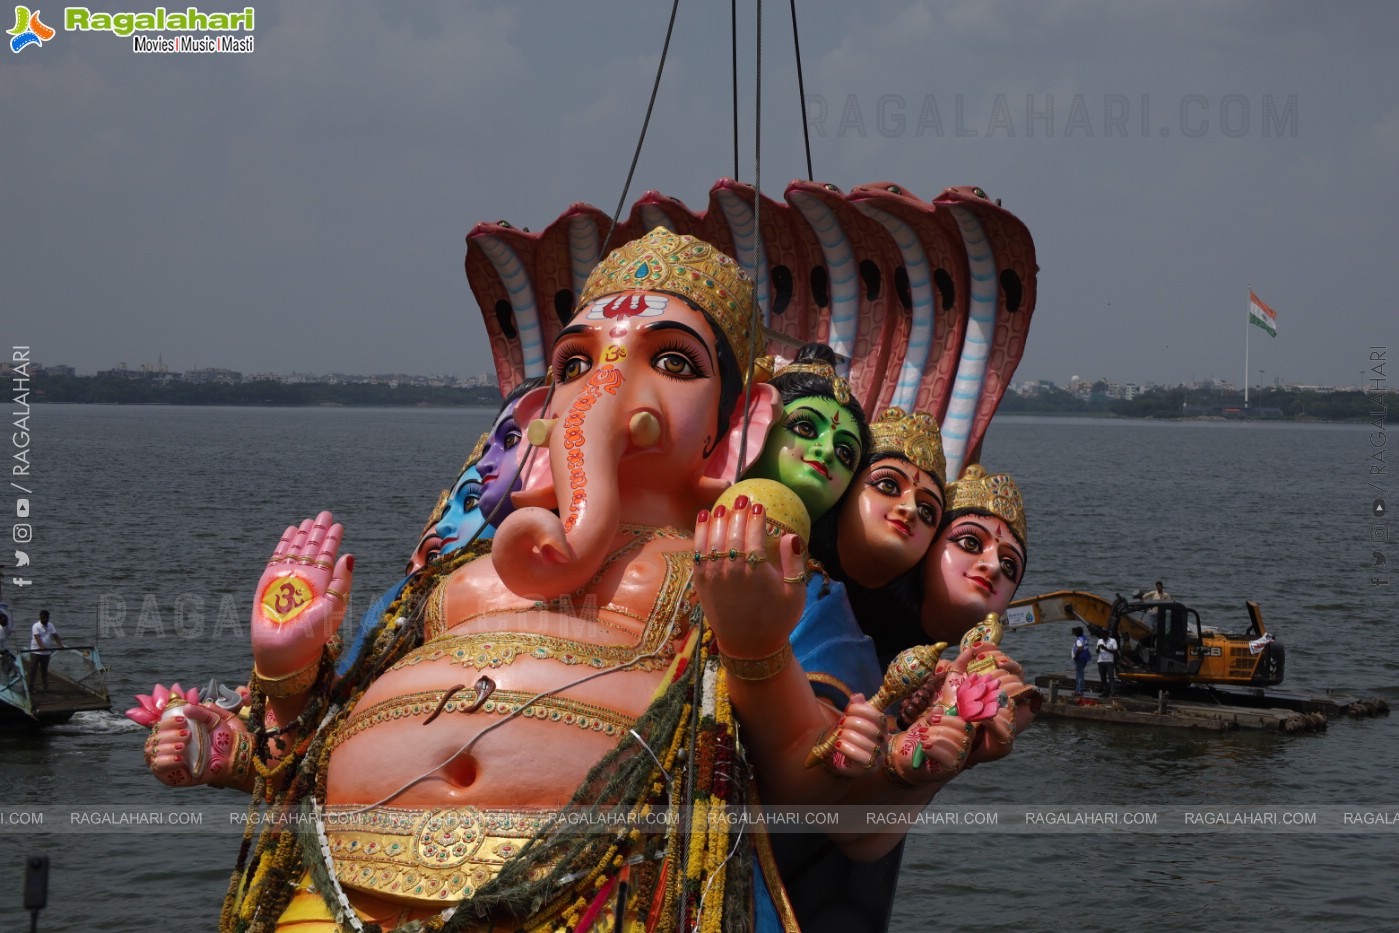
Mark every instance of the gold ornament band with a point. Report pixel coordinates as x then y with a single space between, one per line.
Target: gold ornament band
824 749
293 684
839 387
587 716
914 437
674 264
994 494
756 669
427 858
239 764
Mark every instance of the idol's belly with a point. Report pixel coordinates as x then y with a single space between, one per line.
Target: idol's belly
519 719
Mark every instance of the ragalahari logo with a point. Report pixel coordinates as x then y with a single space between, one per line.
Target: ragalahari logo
29 30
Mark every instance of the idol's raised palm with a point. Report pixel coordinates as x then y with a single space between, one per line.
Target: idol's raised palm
301 598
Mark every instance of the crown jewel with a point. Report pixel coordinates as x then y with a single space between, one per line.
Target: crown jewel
995 494
914 437
675 264
840 389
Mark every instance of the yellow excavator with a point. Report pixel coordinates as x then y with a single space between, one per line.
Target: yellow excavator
1162 642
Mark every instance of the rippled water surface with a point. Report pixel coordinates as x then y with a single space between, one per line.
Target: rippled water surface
160 519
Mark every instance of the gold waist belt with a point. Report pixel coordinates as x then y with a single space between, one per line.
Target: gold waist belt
430 858
468 701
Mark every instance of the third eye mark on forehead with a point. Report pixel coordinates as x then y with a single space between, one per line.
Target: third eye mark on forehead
916 482
986 532
820 416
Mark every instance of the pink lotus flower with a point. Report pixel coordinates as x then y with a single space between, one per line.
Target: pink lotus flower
154 703
978 697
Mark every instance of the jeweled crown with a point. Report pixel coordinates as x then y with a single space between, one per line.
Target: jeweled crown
840 389
995 494
675 264
914 437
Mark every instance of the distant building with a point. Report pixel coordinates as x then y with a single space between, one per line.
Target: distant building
146 372
58 369
213 377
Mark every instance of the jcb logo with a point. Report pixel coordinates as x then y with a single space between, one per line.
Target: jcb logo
1213 651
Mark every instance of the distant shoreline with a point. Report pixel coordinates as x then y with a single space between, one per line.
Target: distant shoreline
107 390
1174 405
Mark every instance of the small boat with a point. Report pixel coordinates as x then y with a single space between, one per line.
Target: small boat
1163 642
76 684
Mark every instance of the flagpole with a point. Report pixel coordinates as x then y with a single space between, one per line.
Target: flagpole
1248 322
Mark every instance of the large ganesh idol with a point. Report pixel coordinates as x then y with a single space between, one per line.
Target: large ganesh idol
559 667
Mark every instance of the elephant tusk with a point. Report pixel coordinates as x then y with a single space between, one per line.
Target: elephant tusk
645 429
539 431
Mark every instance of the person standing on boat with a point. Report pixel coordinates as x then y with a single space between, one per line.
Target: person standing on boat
43 638
1158 595
1080 656
1107 664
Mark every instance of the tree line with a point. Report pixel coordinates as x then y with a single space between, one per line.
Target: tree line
121 391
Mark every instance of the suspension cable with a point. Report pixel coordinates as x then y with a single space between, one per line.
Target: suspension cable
733 46
650 105
757 327
801 92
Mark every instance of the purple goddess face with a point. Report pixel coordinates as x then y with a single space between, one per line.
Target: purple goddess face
497 469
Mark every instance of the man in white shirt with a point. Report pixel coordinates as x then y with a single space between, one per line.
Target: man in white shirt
1107 664
43 639
1158 595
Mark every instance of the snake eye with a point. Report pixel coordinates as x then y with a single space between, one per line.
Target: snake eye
505 223
830 187
980 193
894 189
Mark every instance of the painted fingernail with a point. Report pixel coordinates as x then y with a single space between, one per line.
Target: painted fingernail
703 516
179 746
720 511
350 563
740 503
757 508
796 545
184 733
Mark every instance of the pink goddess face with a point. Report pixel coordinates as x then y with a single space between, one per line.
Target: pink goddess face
973 568
888 522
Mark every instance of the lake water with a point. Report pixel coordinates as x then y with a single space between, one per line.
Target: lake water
151 526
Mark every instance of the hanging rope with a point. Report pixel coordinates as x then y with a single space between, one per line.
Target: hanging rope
733 45
758 255
801 92
650 105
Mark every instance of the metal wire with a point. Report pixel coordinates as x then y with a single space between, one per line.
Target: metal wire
650 105
801 92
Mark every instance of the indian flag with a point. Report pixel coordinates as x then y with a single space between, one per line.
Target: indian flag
1262 315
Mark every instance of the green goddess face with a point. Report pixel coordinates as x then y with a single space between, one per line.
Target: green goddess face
814 452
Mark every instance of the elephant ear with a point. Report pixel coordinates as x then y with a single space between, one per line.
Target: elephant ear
537 481
723 467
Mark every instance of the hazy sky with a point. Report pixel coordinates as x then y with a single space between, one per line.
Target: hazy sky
304 207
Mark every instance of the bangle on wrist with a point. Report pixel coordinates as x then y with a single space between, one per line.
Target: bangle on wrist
293 684
891 770
239 764
756 669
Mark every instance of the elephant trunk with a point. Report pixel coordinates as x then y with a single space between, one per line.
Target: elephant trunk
540 555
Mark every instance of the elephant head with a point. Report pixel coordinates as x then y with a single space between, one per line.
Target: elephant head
643 420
